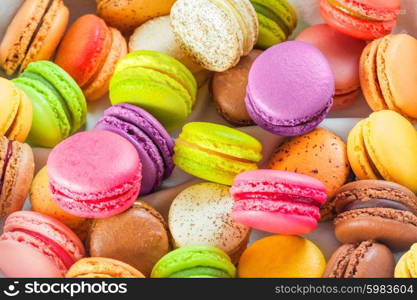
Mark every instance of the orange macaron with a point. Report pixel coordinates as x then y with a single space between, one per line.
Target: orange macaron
89 52
388 74
320 154
33 34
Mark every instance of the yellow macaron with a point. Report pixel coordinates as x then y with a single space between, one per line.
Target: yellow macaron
15 113
407 265
282 256
383 147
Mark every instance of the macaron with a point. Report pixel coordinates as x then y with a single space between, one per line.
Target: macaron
407 265
362 260
33 34
215 152
282 256
16 173
89 52
102 267
277 201
362 19
94 174
320 154
290 89
156 82
194 262
127 15
16 112
200 215
376 210
379 151
215 33
42 202
154 145
388 78
139 237
157 35
228 91
343 53
277 20
58 103
34 245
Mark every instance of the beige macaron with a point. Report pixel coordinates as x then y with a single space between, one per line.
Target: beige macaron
215 33
157 35
199 215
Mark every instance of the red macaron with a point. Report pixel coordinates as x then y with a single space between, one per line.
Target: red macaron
362 19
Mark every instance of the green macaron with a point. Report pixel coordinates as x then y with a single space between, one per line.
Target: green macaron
157 83
59 106
194 262
277 21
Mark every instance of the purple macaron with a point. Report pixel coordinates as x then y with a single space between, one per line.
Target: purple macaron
290 89
152 141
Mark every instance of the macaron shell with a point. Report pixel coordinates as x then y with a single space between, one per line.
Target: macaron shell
141 233
84 48
377 261
221 48
23 120
9 102
392 148
407 265
18 174
127 15
355 27
399 231
342 51
42 202
281 256
275 222
397 78
229 90
203 210
19 34
99 85
357 153
54 23
156 34
100 267
17 261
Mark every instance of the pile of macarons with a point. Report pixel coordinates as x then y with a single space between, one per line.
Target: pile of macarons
100 206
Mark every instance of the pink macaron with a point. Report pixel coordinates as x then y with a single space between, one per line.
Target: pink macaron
94 174
277 201
343 53
35 245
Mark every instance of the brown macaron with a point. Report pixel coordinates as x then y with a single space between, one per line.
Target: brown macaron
320 154
138 237
363 260
376 210
16 173
228 91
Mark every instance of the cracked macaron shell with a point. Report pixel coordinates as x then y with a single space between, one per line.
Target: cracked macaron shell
16 173
33 34
378 151
387 76
141 234
102 267
199 215
366 259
